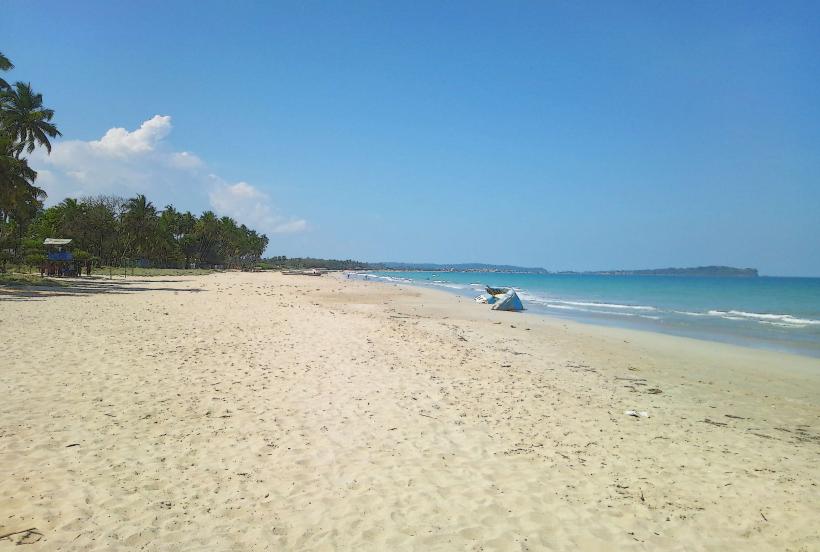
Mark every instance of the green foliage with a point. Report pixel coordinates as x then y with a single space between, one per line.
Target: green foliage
18 279
115 231
25 120
5 65
34 253
35 259
80 255
24 124
19 197
5 257
302 263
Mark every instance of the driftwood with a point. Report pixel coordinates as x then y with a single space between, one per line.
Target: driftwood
24 532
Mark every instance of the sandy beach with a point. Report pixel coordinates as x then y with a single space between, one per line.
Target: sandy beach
255 411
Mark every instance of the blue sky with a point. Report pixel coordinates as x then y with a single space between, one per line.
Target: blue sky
564 134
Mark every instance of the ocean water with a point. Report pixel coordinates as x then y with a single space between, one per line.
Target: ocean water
768 312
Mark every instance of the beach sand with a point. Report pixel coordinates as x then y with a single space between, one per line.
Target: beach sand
255 411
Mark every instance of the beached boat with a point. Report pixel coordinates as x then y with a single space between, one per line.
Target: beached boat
495 292
508 302
504 299
485 298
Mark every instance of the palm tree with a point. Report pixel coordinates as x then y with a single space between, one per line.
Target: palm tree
100 222
206 236
24 123
18 194
20 199
140 225
188 242
5 65
25 120
72 219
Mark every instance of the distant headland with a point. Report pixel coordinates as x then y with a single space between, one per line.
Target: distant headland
711 271
333 264
462 267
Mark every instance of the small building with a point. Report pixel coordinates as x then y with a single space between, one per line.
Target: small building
59 260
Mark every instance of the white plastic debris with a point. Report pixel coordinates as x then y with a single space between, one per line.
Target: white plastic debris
637 414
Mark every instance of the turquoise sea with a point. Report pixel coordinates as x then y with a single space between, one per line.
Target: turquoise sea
768 312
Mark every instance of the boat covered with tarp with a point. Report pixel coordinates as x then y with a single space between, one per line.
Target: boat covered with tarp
508 302
504 299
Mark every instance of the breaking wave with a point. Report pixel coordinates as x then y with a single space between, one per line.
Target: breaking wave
588 307
765 318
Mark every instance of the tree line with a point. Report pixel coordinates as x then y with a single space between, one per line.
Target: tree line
107 229
111 229
301 263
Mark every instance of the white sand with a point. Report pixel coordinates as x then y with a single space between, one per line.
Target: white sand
266 412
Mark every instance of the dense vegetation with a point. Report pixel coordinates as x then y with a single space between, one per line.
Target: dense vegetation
109 230
301 263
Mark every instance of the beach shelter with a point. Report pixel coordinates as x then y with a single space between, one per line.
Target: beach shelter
60 261
57 251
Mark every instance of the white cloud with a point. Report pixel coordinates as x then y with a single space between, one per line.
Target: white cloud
251 206
291 226
125 163
242 191
185 160
118 141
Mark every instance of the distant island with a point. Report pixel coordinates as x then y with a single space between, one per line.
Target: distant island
349 264
713 271
463 267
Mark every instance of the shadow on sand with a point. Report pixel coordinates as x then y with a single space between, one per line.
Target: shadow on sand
76 287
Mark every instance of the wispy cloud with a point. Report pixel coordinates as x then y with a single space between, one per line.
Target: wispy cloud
248 204
124 162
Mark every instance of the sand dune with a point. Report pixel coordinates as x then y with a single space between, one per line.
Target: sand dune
261 412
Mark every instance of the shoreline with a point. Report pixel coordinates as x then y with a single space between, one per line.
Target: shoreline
761 343
255 411
660 342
